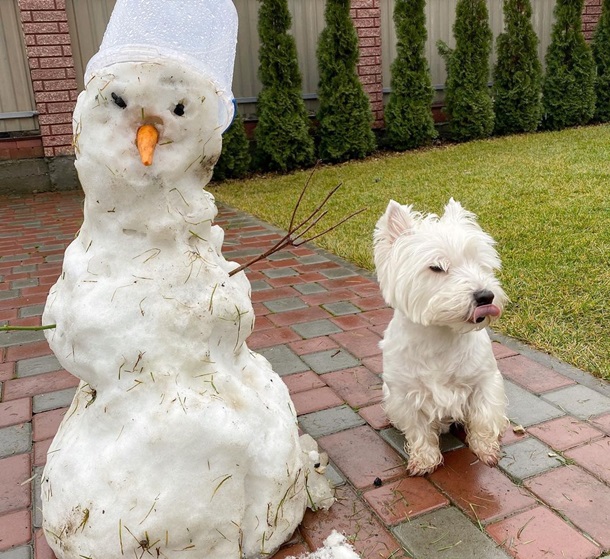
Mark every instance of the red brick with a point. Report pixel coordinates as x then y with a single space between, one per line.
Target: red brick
370 303
322 343
351 517
34 349
564 432
501 351
53 39
295 317
41 547
290 551
357 386
315 400
360 343
301 382
375 416
350 322
531 375
15 529
36 28
405 499
271 294
14 493
540 534
45 424
54 15
511 435
363 456
378 317
15 412
7 371
374 364
38 384
271 337
483 493
602 422
328 297
40 452
595 457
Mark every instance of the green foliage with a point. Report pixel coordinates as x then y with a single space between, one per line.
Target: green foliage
283 141
234 161
568 89
409 122
601 54
468 101
518 73
344 114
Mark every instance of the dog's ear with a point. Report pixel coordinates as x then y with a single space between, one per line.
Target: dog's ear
396 221
454 211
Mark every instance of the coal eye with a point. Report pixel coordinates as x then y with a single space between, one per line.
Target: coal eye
179 109
118 100
437 269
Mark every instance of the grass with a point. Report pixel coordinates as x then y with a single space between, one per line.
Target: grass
544 197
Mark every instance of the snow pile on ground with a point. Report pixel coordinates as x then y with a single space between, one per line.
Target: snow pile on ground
335 547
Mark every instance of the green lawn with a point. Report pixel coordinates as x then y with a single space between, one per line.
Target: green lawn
544 197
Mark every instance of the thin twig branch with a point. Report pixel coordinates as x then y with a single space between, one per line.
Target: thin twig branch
26 328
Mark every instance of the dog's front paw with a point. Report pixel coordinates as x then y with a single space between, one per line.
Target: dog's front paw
487 452
422 463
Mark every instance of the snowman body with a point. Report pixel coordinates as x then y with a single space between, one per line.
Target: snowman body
180 441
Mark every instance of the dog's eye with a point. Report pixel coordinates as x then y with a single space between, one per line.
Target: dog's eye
119 102
437 269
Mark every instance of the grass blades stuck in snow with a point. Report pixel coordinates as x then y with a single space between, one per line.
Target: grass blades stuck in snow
544 197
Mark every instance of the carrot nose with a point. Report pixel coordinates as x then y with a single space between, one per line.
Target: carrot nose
146 141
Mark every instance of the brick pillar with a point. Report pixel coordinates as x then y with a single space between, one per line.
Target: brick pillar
590 17
49 51
366 15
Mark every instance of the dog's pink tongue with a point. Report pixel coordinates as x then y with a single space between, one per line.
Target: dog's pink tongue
485 310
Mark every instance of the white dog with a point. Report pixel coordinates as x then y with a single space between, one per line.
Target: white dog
438 275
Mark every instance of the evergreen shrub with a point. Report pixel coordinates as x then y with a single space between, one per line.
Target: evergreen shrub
601 54
234 161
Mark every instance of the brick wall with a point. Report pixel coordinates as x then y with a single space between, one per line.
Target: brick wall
590 17
366 15
49 51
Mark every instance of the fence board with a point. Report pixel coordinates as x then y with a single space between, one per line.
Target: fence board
16 94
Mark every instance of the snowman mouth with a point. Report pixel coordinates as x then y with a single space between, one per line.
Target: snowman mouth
484 311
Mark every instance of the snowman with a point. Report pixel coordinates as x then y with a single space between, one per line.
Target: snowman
180 441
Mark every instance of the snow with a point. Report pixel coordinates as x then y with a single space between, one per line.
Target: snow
335 547
180 438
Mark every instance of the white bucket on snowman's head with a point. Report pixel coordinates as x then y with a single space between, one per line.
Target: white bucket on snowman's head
201 34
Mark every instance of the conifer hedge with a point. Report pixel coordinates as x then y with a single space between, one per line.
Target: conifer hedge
568 89
517 74
344 115
468 101
601 54
283 140
408 114
234 161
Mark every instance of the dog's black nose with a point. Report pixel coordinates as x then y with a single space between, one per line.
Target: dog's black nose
483 297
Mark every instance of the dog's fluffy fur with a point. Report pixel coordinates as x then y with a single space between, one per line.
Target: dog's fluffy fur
437 273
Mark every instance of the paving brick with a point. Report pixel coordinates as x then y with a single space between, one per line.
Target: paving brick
335 273
15 529
362 456
602 422
341 308
594 457
300 382
37 494
309 288
41 449
280 272
350 322
53 400
351 517
528 458
45 424
361 342
21 552
337 295
446 533
579 497
283 360
512 434
531 375
326 422
565 432
375 416
41 547
396 440
37 366
14 494
33 310
20 337
315 400
312 259
283 305
271 337
259 285
580 401
540 534
15 412
27 351
316 328
374 364
524 408
501 351
15 439
312 345
404 499
330 360
38 385
357 386
7 371
483 493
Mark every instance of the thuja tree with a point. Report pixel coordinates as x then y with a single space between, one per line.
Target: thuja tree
283 141
601 54
468 101
234 160
344 113
517 74
408 115
568 88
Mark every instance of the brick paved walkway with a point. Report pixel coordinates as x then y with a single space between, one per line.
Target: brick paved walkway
319 321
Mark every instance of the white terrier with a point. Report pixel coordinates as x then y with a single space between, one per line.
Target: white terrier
439 368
